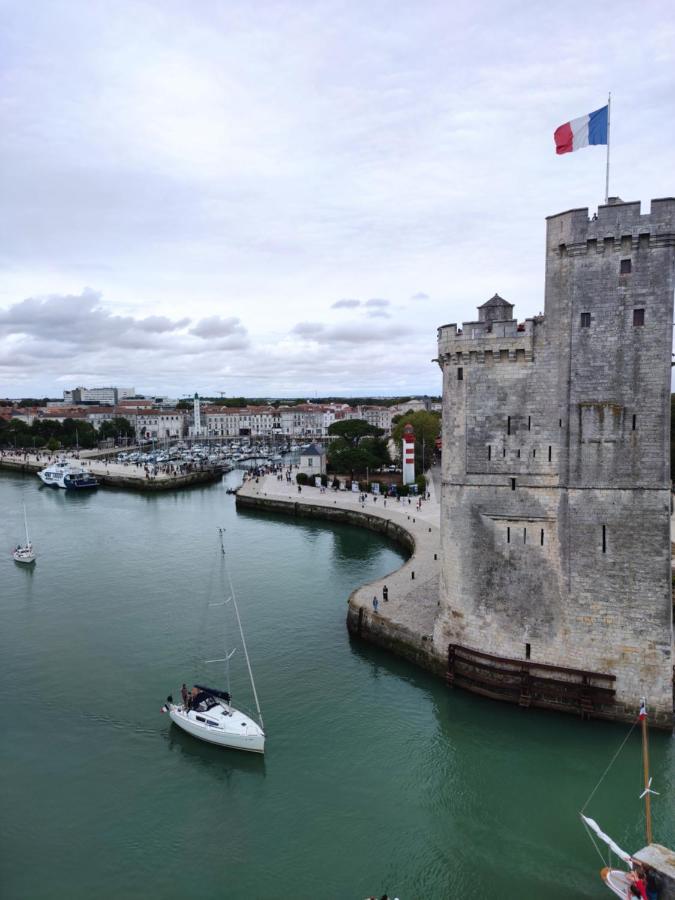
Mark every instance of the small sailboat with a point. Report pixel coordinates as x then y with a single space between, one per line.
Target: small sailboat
207 713
624 882
24 553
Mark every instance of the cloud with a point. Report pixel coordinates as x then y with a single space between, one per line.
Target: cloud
378 314
377 302
62 333
346 304
215 326
354 333
420 295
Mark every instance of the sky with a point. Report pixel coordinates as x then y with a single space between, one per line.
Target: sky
288 198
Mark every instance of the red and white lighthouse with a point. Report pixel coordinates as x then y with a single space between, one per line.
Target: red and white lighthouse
408 454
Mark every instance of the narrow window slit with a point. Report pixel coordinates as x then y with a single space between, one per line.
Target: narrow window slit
541 537
549 453
508 534
524 535
604 539
527 651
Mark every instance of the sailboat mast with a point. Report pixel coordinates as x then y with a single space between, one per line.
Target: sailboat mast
241 630
25 522
645 766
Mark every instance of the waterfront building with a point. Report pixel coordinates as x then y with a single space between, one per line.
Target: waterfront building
313 460
555 520
158 424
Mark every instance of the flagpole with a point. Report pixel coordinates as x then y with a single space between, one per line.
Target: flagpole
609 107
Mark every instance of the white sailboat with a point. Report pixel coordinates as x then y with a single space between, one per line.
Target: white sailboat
24 553
623 881
208 714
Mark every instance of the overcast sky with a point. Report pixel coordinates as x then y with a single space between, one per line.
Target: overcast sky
287 198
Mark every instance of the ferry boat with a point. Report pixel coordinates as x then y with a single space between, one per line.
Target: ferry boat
63 474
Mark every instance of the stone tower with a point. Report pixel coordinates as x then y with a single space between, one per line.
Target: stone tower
555 515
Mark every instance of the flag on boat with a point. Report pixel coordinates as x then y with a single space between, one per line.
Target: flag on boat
590 129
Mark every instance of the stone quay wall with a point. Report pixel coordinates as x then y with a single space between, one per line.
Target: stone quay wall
402 624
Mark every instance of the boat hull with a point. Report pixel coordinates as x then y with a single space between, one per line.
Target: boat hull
23 558
617 881
250 738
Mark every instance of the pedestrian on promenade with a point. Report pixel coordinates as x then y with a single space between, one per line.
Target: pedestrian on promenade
385 593
375 603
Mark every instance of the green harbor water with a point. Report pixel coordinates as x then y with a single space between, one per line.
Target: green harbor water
376 777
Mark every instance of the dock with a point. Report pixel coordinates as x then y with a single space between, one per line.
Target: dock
113 474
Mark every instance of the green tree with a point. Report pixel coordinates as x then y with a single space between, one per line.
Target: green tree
117 426
353 431
427 427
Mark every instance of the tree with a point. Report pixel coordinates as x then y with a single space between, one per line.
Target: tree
353 431
369 455
427 427
119 425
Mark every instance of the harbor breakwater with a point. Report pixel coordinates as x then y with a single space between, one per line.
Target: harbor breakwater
125 480
403 622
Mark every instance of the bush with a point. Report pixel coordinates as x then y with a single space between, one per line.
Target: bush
421 483
302 478
336 484
403 490
324 480
363 487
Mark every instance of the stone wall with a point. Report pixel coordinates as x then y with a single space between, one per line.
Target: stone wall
555 518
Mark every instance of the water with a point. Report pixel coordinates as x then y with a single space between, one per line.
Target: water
376 777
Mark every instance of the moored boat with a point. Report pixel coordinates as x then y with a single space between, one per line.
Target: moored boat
64 474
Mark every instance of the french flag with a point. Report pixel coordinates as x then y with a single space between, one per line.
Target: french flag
587 130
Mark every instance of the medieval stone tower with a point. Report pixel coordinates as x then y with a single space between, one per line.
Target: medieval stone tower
555 515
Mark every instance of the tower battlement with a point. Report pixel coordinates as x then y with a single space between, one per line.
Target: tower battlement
610 228
555 523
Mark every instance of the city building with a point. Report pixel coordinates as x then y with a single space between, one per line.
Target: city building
555 519
101 395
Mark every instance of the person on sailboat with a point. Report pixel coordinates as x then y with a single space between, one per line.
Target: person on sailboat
185 695
638 887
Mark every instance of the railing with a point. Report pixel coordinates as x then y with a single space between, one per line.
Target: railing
530 683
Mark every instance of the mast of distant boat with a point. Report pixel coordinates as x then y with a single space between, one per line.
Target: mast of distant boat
25 522
221 531
645 766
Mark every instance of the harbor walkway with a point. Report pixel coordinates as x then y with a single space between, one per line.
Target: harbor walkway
404 622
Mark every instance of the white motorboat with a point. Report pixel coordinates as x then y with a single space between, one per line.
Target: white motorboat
24 553
63 474
207 713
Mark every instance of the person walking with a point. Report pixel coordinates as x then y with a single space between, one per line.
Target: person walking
375 603
385 593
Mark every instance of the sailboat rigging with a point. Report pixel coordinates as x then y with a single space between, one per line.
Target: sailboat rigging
633 880
207 713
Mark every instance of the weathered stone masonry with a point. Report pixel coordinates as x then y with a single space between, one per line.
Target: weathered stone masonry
555 516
